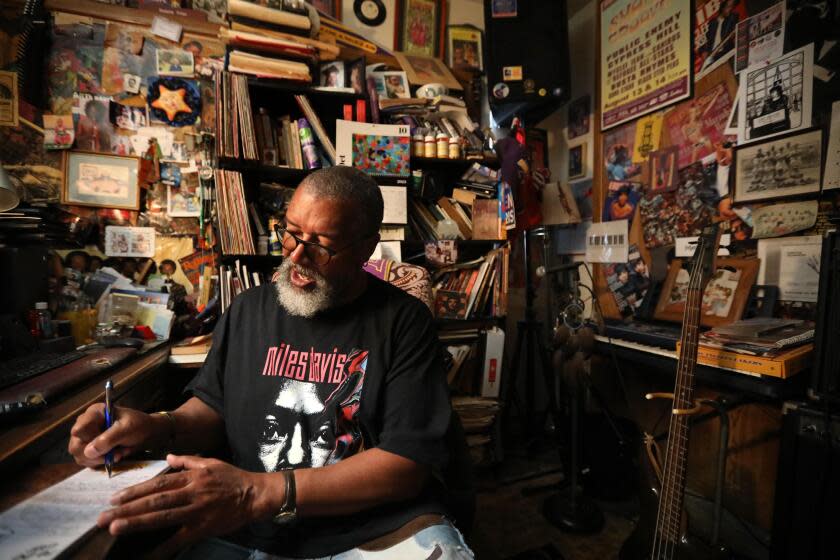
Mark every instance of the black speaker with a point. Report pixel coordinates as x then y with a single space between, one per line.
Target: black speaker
805 521
825 374
527 60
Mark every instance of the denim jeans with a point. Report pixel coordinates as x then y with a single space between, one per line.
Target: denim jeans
438 542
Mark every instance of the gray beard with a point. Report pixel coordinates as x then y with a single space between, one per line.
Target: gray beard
303 303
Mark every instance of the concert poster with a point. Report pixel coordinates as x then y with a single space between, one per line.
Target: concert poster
645 57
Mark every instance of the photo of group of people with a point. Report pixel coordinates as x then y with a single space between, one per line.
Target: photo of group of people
629 282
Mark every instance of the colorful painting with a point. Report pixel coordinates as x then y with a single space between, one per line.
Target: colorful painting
381 155
420 27
698 126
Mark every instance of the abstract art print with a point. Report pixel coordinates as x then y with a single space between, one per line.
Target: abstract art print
381 155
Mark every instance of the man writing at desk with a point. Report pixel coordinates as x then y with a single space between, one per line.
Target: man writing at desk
328 389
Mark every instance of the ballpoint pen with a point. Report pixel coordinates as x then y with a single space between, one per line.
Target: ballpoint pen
109 421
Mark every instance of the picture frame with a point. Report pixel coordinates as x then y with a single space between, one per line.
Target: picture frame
781 166
392 85
332 74
105 181
663 173
579 117
355 75
465 47
420 26
724 298
422 70
577 161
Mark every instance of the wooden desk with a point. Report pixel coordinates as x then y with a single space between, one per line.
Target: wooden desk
23 440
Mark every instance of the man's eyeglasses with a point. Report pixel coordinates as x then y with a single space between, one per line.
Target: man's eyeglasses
316 252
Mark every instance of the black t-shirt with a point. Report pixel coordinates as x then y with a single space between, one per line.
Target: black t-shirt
298 392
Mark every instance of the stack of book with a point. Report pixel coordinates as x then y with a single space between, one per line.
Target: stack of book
234 280
474 289
192 350
234 230
759 346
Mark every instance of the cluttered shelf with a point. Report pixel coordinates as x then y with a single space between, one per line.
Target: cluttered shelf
422 161
292 88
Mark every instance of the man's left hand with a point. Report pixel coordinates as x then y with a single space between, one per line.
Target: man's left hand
207 498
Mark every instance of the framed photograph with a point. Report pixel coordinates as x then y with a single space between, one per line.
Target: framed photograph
464 47
175 62
784 166
184 201
355 75
392 85
122 241
426 70
577 161
420 26
580 114
101 180
662 170
331 74
331 8
724 298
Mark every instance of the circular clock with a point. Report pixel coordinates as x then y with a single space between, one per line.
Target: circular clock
370 12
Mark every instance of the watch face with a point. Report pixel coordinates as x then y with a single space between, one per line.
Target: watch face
370 12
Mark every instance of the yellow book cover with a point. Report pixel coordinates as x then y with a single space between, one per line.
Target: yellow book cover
783 365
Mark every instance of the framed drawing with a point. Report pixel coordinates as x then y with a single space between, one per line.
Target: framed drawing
577 161
784 166
101 180
464 47
427 70
724 298
420 26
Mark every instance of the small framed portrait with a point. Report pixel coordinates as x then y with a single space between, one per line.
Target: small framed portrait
420 26
355 75
464 47
580 113
101 180
662 170
392 85
784 166
724 298
331 74
175 62
577 162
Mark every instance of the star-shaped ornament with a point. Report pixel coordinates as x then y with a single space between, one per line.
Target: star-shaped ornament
171 102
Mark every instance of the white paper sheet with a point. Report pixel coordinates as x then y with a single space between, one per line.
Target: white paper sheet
394 199
799 278
770 254
607 242
47 523
831 177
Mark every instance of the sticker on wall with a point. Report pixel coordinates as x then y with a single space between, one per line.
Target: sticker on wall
543 92
174 101
501 90
58 132
512 73
529 85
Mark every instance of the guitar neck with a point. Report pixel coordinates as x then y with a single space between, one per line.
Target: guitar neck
669 517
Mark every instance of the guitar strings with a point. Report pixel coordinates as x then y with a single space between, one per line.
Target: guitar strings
666 535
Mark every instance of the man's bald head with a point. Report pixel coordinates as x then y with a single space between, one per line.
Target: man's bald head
353 188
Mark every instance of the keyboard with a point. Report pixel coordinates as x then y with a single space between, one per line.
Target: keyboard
25 367
649 334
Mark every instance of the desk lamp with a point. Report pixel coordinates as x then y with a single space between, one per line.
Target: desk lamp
8 195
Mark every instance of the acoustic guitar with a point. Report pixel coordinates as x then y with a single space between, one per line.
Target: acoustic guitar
662 532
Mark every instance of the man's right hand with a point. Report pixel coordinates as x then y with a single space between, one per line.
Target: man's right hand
132 429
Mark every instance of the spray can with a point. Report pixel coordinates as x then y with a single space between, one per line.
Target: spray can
307 144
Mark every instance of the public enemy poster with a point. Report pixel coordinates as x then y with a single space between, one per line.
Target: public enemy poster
645 57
